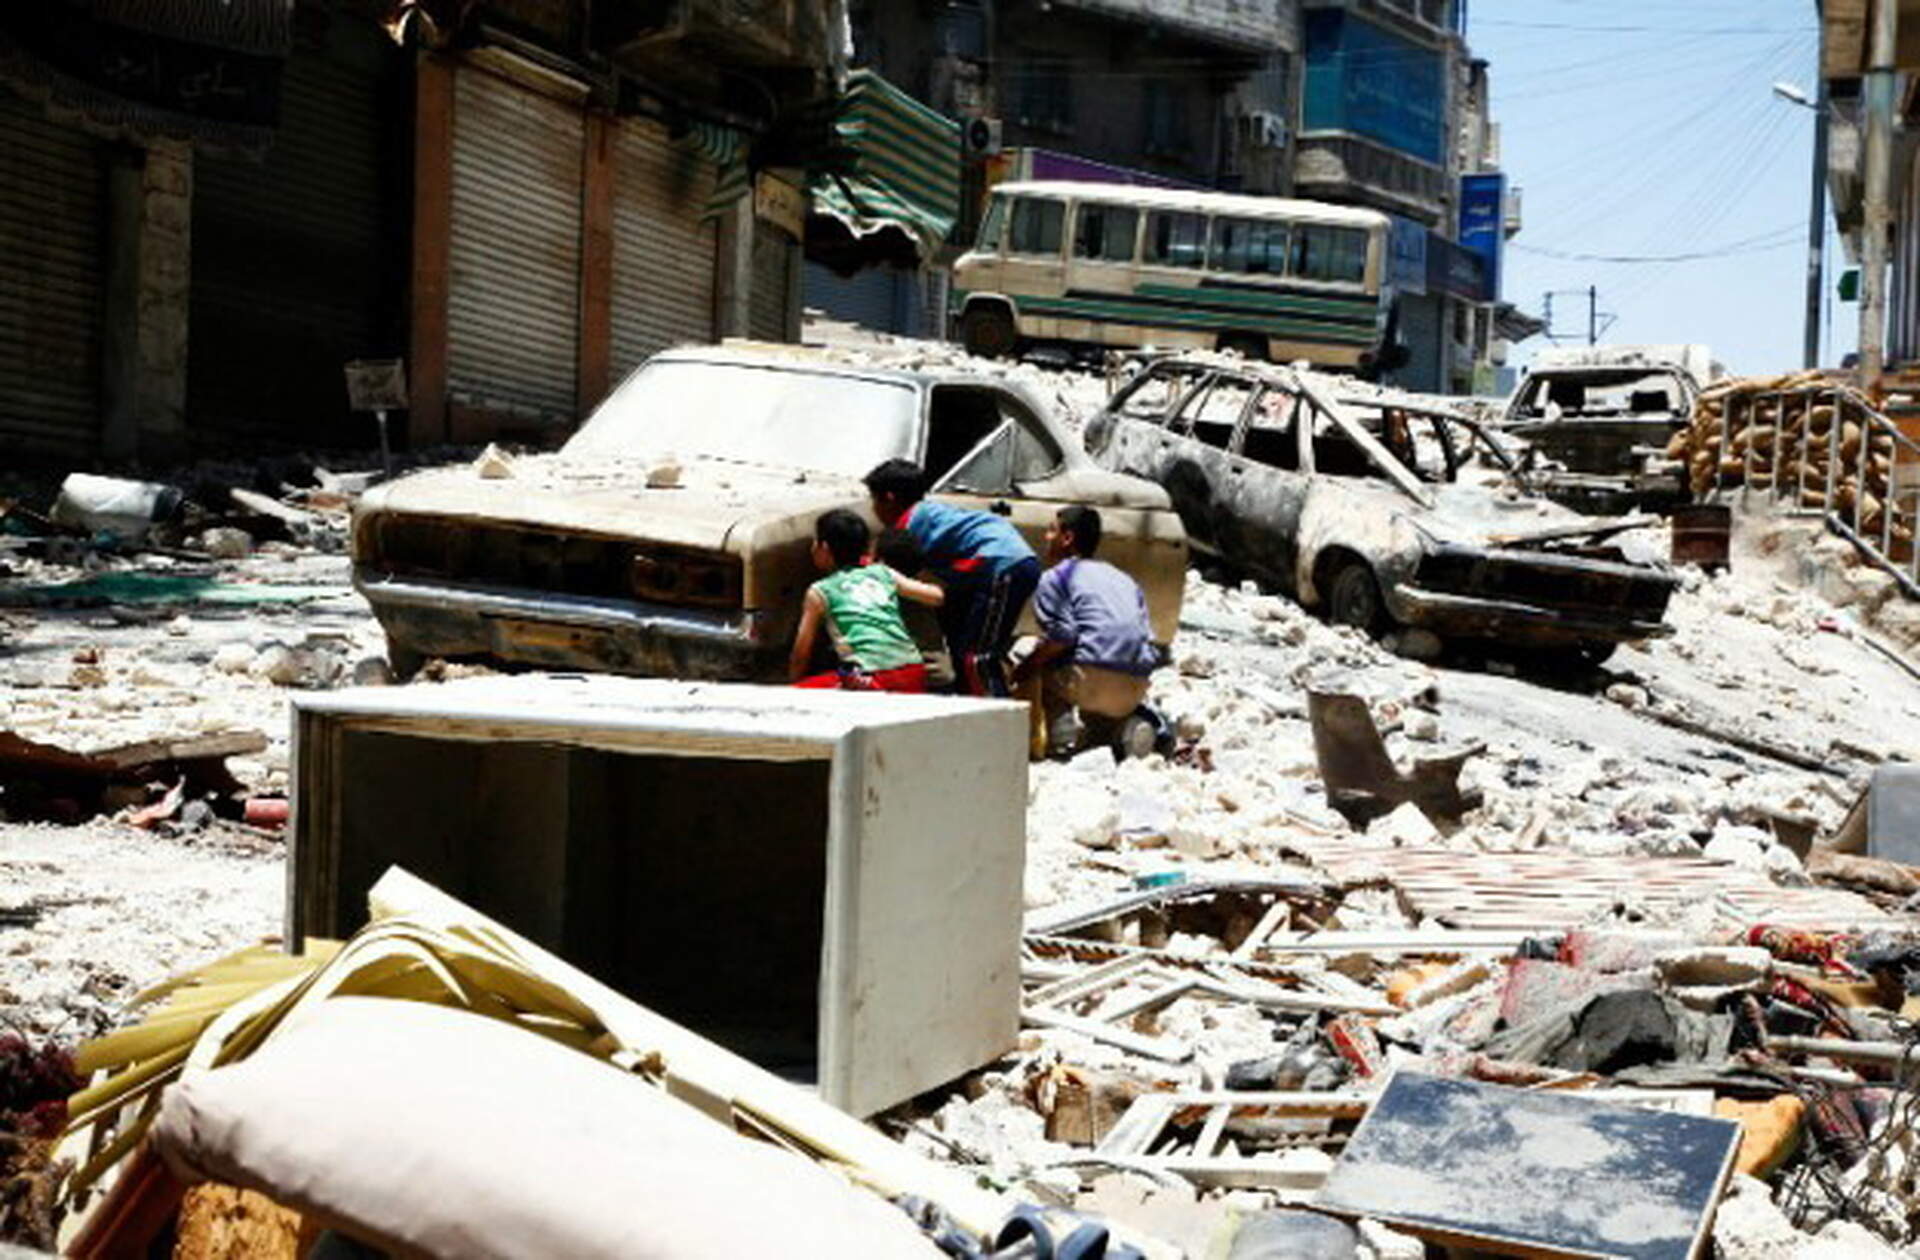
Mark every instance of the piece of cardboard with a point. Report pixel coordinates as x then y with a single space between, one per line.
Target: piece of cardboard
1532 1173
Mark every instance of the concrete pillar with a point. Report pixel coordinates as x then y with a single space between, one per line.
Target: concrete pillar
733 279
1877 217
432 250
149 279
595 368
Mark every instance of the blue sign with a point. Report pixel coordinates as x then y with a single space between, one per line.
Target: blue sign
1483 222
1369 82
1407 272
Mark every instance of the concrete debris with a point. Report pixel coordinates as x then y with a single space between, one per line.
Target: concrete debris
1635 884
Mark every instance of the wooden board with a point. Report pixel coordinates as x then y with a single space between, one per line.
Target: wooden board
1532 1172
1552 891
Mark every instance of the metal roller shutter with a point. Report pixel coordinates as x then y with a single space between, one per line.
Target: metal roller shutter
868 298
52 285
513 305
775 256
300 260
663 253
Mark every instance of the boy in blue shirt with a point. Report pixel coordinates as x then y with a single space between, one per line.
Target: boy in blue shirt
987 568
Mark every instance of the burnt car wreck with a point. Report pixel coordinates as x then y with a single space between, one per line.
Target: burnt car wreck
672 534
1372 511
1597 425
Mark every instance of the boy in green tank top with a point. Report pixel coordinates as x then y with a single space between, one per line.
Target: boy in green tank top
859 603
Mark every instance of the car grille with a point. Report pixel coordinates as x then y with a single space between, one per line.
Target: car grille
1563 584
500 555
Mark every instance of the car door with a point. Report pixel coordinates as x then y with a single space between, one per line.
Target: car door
1265 488
1018 472
1197 472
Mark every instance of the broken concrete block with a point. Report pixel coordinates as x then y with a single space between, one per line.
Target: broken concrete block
226 543
1733 965
1294 1234
1536 988
233 658
1407 827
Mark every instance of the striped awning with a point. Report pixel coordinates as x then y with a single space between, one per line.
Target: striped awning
894 167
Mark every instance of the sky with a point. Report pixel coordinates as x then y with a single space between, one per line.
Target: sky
1644 129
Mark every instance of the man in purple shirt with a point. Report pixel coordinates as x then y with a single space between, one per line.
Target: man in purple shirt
1096 644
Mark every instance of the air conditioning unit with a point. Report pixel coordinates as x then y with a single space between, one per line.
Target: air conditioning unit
1265 130
980 137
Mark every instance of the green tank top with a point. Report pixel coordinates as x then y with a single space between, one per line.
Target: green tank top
863 614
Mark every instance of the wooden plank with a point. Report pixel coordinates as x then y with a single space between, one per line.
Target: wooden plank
1164 1049
593 377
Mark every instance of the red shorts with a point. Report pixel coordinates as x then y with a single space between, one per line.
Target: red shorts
912 678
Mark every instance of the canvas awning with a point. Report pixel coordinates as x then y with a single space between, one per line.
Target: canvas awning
141 70
889 190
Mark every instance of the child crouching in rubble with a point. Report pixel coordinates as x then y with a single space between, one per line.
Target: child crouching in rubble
859 600
1096 645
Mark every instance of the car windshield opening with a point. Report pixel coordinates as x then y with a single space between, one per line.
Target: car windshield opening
753 414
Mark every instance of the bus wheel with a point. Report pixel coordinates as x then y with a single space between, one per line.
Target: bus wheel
1250 346
988 331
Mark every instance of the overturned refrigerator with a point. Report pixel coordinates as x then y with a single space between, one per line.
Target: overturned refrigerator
826 883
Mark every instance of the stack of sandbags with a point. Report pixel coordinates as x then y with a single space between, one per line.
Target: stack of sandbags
1789 423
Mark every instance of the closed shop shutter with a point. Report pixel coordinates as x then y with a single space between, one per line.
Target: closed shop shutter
513 305
52 285
663 253
300 260
775 255
869 298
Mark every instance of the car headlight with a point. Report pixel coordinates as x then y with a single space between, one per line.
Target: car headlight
680 577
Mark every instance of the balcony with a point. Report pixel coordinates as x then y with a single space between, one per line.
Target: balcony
1337 166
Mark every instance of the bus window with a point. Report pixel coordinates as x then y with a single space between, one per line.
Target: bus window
1104 233
1036 227
991 225
1329 253
1251 246
1176 240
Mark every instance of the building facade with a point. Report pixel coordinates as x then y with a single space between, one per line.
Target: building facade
515 198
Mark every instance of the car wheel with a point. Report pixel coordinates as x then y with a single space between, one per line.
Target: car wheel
1593 654
1248 346
403 662
1353 599
988 331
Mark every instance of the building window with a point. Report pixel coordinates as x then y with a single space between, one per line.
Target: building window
1036 227
1252 246
1164 128
1176 240
1329 253
1043 96
1105 233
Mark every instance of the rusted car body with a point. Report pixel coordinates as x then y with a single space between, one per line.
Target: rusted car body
1367 509
1598 431
671 535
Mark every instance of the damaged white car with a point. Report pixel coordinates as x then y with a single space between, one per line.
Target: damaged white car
1368 509
672 534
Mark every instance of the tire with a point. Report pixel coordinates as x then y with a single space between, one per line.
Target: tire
1249 346
1354 599
403 662
988 331
1595 653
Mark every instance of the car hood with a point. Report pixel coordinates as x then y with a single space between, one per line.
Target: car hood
1468 514
710 503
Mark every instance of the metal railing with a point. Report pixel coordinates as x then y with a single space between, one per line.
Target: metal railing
1855 484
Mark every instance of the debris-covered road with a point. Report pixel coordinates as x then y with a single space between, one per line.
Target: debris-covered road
1746 733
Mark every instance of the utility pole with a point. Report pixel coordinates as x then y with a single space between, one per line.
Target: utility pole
1593 314
1817 223
1878 216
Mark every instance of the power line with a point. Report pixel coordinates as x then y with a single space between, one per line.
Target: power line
1646 30
1754 245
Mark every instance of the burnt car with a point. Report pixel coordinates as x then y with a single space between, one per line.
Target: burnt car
1597 424
1372 510
671 534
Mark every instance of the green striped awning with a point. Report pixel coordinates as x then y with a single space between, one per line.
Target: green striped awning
894 166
